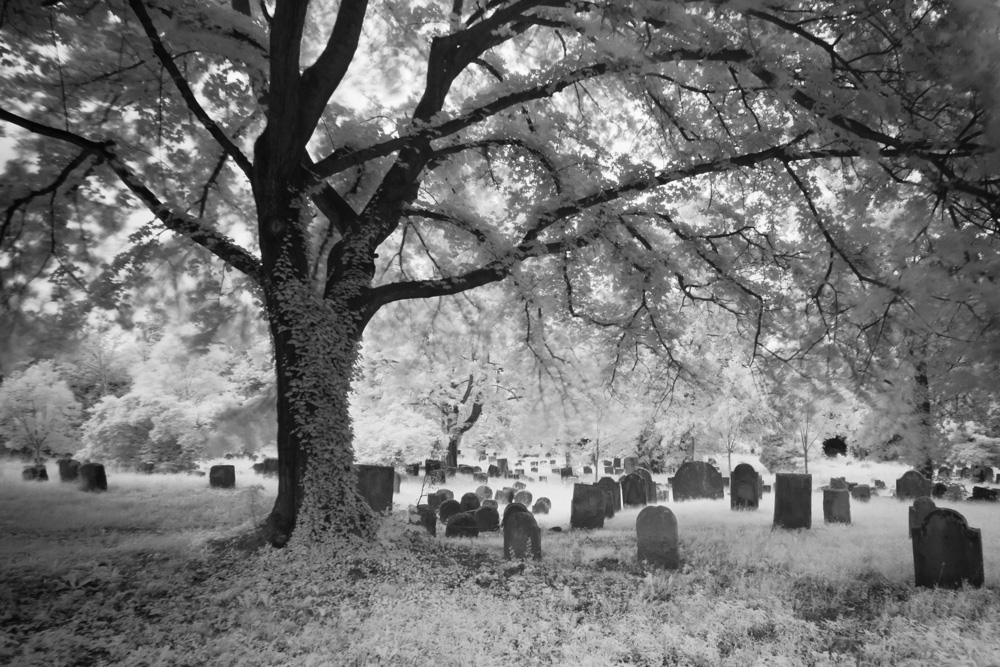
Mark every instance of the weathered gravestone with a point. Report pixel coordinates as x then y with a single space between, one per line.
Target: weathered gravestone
484 492
375 484
37 473
656 537
450 471
587 509
523 497
93 477
633 490
614 490
918 512
268 467
434 500
448 509
836 506
480 477
493 471
542 506
521 536
879 484
965 473
465 469
946 552
792 501
222 477
512 509
697 479
413 469
587 470
862 493
566 471
462 524
469 502
520 486
423 515
489 502
69 470
502 467
432 465
147 467
446 494
488 519
505 495
980 473
647 477
912 485
982 493
745 488
938 490
838 483
944 472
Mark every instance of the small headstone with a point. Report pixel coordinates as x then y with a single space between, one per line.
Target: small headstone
838 483
413 469
614 490
587 470
37 473
918 511
879 484
836 506
955 492
510 510
519 472
965 473
434 500
493 471
587 509
656 537
446 494
469 502
451 471
487 519
149 467
946 552
542 506
465 470
480 477
862 493
766 488
938 490
982 493
69 470
484 492
521 536
523 497
505 495
502 466
944 472
462 524
633 490
912 485
489 502
520 486
566 472
697 479
431 465
792 501
448 509
436 477
93 477
375 484
222 476
745 490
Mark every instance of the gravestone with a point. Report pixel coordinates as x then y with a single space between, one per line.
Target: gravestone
480 477
432 465
423 515
448 509
520 486
521 536
450 471
656 537
918 512
518 472
982 493
489 502
446 494
375 484
946 552
149 467
93 477
505 495
862 493
469 502
838 483
566 471
542 506
609 502
587 470
36 473
614 490
912 485
697 479
587 509
493 471
631 463
512 509
745 488
650 485
465 469
879 484
938 490
484 492
523 497
413 469
434 500
617 462
792 501
836 506
268 467
965 473
955 492
69 470
502 467
488 519
944 472
462 524
222 477
633 490
436 477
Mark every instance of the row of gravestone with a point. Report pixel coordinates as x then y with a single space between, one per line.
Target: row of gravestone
913 485
90 476
982 474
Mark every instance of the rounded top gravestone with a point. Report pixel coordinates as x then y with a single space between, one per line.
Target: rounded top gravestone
745 488
697 479
912 485
448 509
656 537
469 501
463 524
946 552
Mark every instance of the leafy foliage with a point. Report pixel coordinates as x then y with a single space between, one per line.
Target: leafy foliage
38 410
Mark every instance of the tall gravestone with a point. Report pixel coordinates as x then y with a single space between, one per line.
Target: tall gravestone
633 490
918 512
836 505
521 536
502 467
587 509
222 477
93 477
745 488
697 479
656 537
69 470
792 501
375 484
614 490
647 477
912 485
946 552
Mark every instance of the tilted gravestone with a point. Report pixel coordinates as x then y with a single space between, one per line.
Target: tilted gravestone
521 536
484 492
918 512
836 506
37 473
469 502
862 493
656 537
792 501
650 485
448 509
946 552
633 490
697 479
93 477
912 485
542 506
69 470
745 488
462 524
614 490
488 519
523 497
587 509
222 477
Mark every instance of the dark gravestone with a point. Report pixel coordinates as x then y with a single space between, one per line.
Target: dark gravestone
650 485
542 506
990 476
480 477
838 483
502 467
462 524
879 484
633 490
836 506
566 472
614 490
587 509
656 537
147 467
912 485
69 470
617 462
93 477
493 471
938 490
978 474
436 477
434 500
375 484
488 519
965 473
982 493
484 492
521 536
36 473
955 492
792 501
697 479
446 494
222 477
470 502
946 552
448 509
423 515
609 502
587 470
519 472
489 502
918 512
520 486
512 509
268 467
450 471
862 493
523 497
413 469
745 488
431 465
465 470
505 495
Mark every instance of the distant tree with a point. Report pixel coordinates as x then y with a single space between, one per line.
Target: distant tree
38 411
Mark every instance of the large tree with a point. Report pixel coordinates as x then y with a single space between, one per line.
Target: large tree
610 160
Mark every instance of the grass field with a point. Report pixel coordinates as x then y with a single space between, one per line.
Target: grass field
129 577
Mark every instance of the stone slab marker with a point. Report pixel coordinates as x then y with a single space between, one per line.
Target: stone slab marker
587 509
946 552
633 490
521 536
912 485
36 473
792 501
862 493
745 488
93 477
918 512
650 485
222 477
69 470
836 505
463 524
375 484
542 506
697 479
615 491
656 537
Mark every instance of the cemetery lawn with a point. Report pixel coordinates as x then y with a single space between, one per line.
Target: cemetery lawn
134 577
